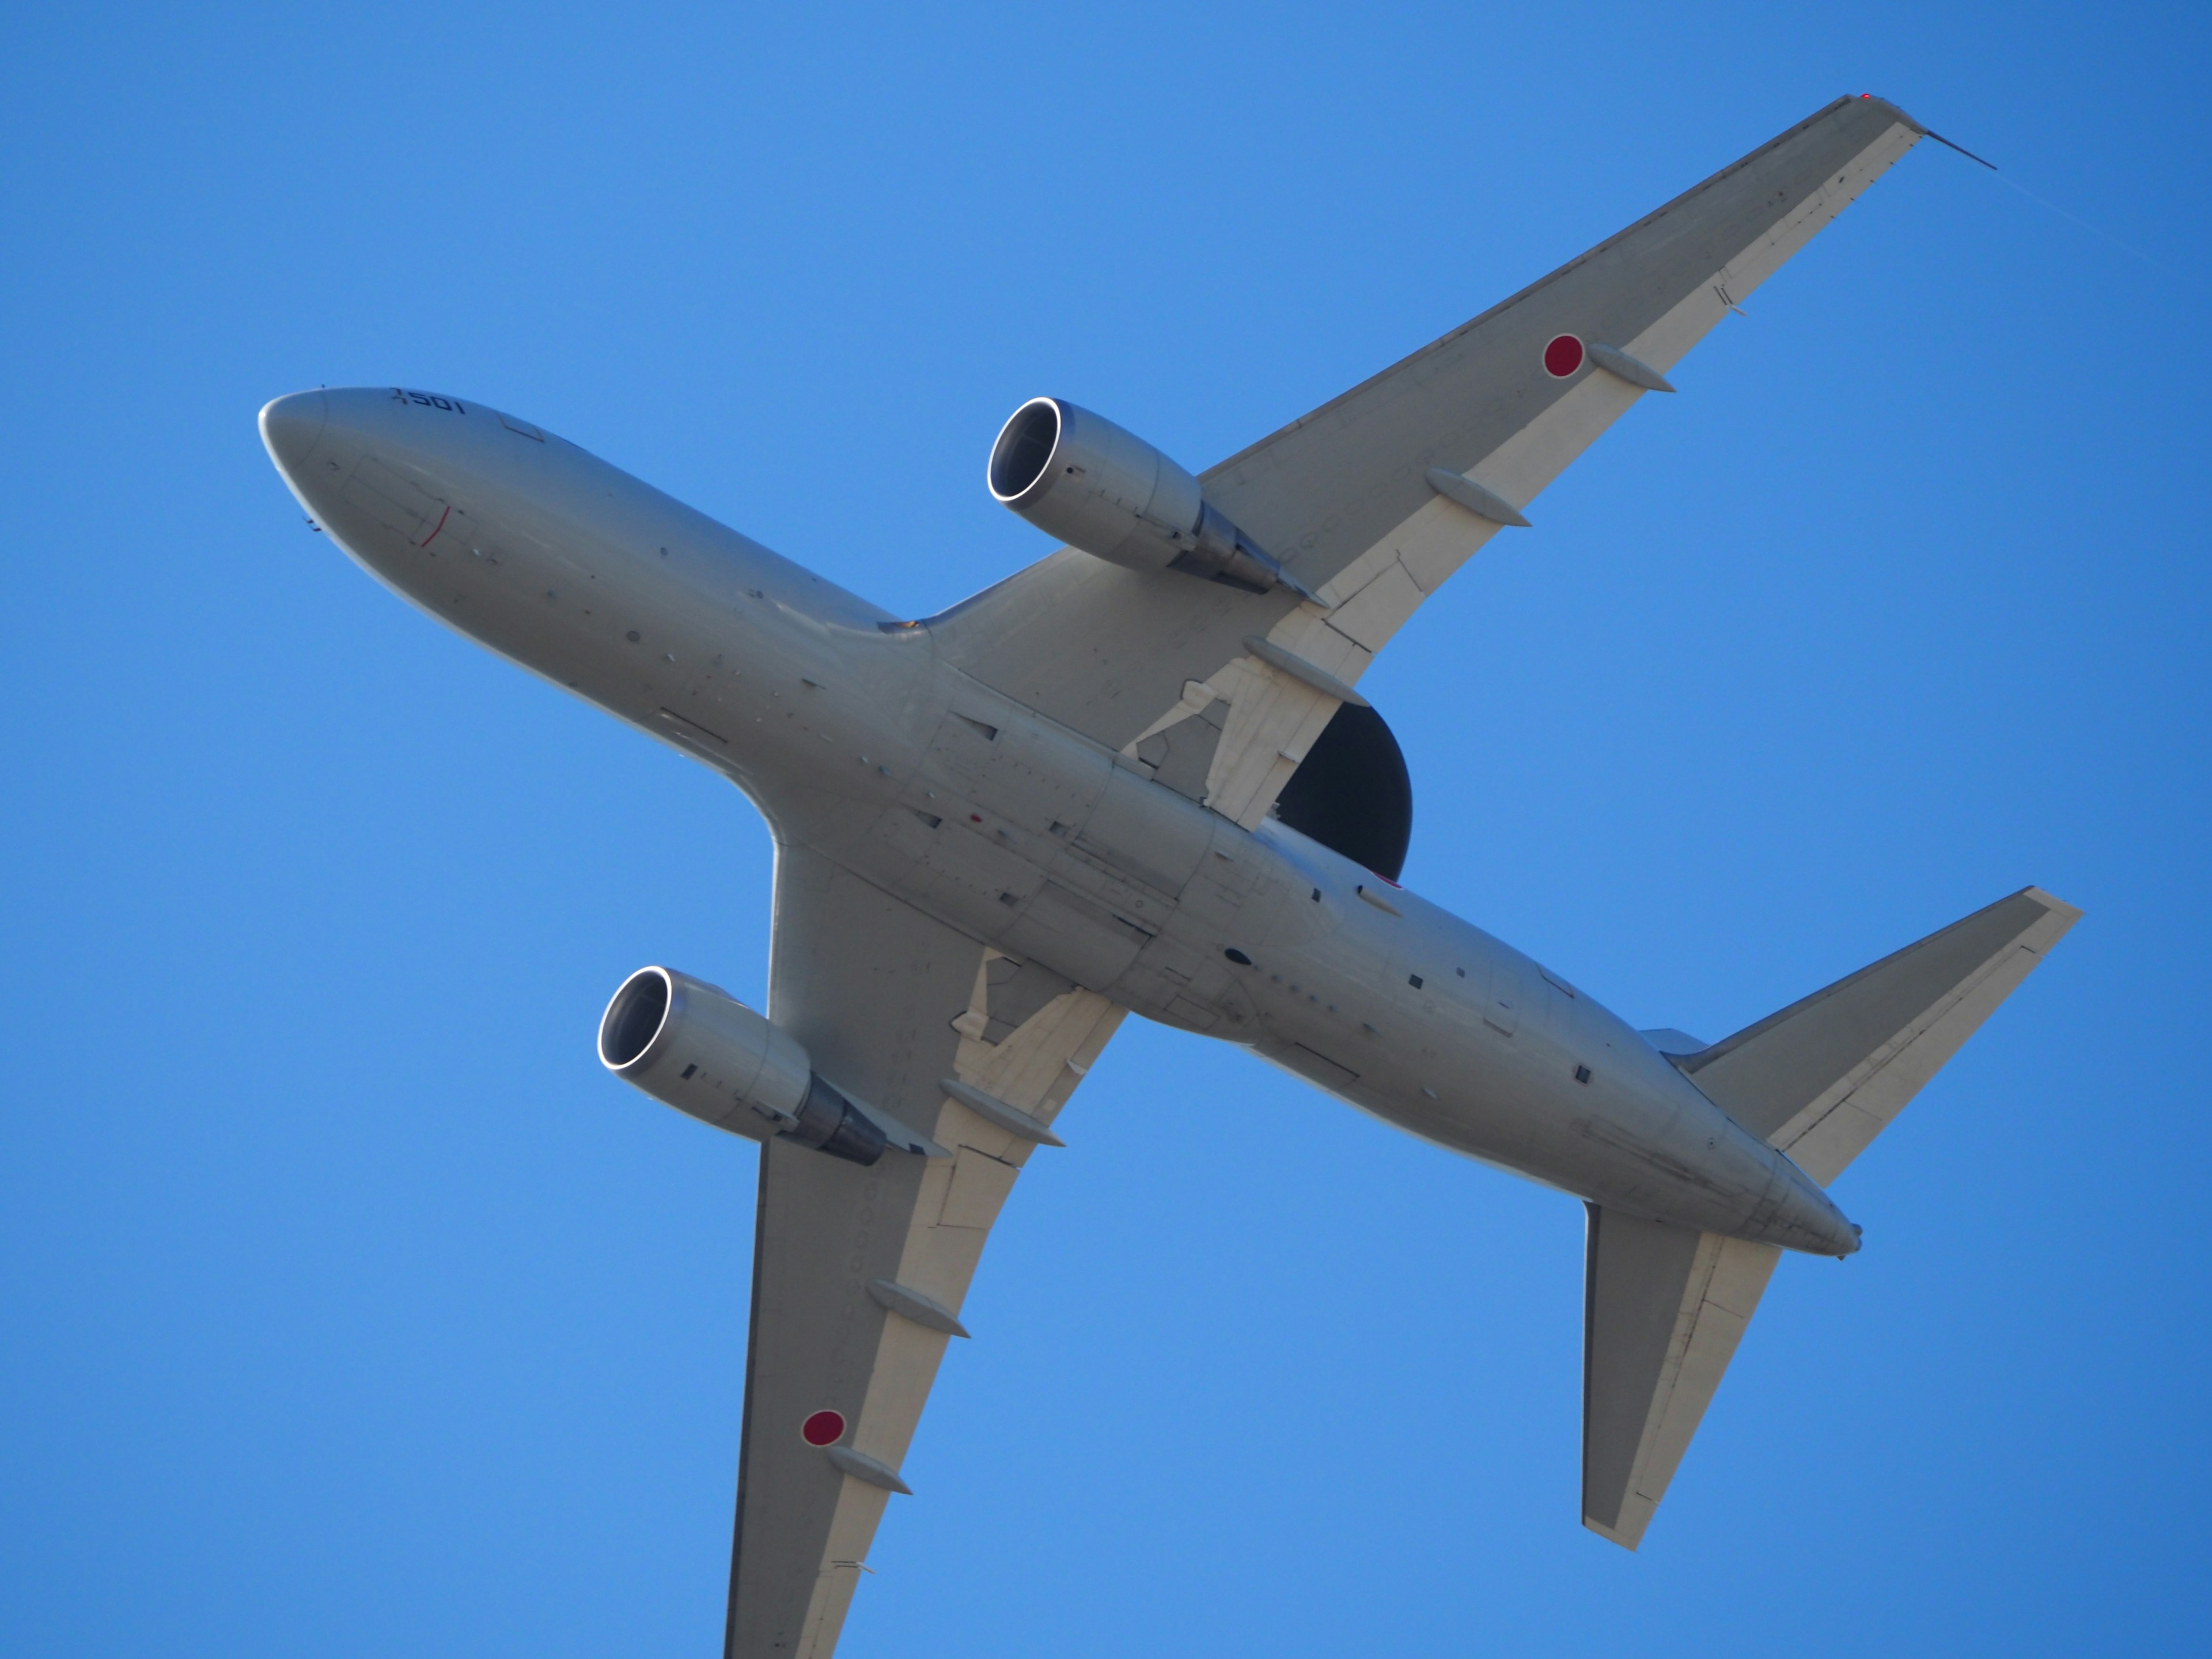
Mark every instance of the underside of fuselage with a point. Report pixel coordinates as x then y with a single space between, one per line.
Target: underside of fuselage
1139 776
856 737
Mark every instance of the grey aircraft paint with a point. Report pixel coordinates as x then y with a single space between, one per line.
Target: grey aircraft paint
851 737
998 831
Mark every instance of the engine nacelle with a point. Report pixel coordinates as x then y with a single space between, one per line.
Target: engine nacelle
1078 476
697 1048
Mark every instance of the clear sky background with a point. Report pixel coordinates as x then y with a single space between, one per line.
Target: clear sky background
349 1309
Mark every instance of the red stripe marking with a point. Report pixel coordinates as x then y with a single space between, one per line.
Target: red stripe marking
442 517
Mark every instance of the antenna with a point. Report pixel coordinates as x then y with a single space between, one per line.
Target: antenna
1961 148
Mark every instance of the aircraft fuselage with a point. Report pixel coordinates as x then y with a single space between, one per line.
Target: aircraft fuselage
853 737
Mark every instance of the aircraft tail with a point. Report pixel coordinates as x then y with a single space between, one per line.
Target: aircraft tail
1824 1076
1664 1307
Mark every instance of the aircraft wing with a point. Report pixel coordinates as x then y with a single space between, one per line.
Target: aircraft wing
1374 500
859 1273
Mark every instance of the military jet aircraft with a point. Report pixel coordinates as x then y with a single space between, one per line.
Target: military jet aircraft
1138 775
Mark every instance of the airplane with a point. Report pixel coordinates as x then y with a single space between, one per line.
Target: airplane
1138 776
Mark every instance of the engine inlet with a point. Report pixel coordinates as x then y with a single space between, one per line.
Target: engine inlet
634 1019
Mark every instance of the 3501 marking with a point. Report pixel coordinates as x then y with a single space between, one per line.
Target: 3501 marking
429 400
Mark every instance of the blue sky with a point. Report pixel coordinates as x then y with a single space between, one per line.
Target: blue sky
348 1308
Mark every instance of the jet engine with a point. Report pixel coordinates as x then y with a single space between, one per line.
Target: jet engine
695 1047
1078 476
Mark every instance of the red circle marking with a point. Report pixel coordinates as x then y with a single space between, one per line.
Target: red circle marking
823 1429
1563 357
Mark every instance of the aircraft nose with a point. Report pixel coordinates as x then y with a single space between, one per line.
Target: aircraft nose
290 427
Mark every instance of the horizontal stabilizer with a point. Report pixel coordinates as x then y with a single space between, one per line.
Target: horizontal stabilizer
1820 1079
1663 1308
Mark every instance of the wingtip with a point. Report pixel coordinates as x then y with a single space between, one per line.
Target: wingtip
1921 128
1627 1540
2051 902
1880 102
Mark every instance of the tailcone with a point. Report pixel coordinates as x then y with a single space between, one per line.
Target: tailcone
1807 1219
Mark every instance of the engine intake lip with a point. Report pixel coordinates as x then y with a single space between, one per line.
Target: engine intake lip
635 1018
1024 449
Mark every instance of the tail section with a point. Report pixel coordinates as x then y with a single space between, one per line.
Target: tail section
1824 1076
1664 1307
1663 1310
